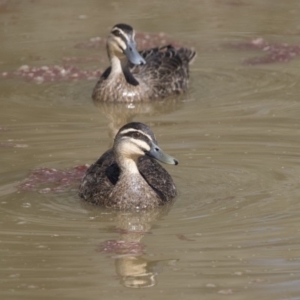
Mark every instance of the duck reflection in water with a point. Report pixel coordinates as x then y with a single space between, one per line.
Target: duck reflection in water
140 272
119 114
133 267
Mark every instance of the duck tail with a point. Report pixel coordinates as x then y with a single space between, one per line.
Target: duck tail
187 55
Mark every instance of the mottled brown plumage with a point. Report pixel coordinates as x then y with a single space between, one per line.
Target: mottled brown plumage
126 176
151 74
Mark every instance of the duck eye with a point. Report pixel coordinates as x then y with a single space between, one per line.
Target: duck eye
136 135
116 32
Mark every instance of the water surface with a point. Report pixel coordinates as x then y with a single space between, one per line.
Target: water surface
234 230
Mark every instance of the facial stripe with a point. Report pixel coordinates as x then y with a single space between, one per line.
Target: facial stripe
132 147
120 43
120 38
124 39
121 34
124 27
141 144
126 131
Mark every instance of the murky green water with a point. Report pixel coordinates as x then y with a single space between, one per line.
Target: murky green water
234 230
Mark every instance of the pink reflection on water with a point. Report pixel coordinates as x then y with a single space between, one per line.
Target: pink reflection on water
69 71
47 180
274 52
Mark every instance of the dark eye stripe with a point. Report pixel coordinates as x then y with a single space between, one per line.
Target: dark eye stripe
125 132
138 135
123 38
120 35
135 135
116 32
139 139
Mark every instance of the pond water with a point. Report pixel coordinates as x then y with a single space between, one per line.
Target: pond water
233 231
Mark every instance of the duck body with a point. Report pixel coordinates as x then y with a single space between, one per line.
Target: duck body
103 185
141 76
129 179
125 177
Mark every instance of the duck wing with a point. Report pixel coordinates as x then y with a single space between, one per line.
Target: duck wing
157 177
100 178
166 68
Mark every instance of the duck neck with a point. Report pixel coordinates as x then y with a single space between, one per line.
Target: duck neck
128 166
128 75
116 66
121 66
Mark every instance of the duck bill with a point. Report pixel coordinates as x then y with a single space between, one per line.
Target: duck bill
133 55
162 156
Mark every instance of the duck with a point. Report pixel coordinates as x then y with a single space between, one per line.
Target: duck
128 176
143 76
